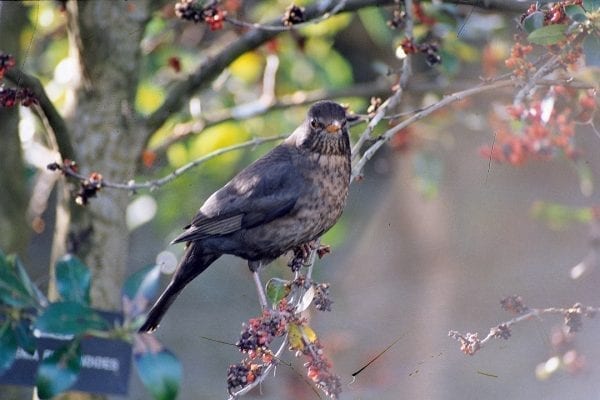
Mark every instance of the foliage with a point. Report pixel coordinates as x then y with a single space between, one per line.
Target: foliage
26 315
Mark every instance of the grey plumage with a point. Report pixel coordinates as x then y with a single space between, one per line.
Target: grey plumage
287 198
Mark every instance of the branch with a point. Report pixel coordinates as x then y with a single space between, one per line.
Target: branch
52 120
387 135
68 170
212 67
470 342
261 107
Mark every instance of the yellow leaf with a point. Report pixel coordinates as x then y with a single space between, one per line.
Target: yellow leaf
247 67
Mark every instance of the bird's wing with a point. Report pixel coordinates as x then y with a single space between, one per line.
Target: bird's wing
264 191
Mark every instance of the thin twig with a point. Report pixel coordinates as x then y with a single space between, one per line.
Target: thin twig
154 184
387 135
470 342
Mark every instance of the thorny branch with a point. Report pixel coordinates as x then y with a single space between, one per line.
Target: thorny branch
470 343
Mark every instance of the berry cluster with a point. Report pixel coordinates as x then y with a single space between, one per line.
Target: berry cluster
318 369
293 15
513 304
398 19
469 342
517 61
190 10
10 97
241 375
322 301
88 187
547 126
258 333
429 50
6 62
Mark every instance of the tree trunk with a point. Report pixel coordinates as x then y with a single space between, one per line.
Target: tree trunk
105 40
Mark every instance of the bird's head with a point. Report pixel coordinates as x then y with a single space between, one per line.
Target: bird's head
325 129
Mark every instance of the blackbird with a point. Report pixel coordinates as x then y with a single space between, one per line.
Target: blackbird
285 199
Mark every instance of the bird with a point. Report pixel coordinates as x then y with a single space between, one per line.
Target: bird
285 199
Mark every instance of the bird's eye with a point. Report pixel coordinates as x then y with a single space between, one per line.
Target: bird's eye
314 123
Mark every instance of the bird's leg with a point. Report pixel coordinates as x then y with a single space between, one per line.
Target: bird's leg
262 297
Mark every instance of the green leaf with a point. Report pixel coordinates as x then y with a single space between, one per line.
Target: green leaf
143 282
591 49
277 289
25 337
548 35
160 373
576 13
70 318
533 21
12 290
59 371
31 287
8 346
558 216
73 279
591 5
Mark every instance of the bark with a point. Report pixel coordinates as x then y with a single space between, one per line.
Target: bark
105 39
14 229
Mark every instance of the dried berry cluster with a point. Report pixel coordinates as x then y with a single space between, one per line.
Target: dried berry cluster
469 342
543 127
6 62
88 187
322 301
191 10
513 304
318 370
429 50
241 375
573 316
293 15
10 97
258 333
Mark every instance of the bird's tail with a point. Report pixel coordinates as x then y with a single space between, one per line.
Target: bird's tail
193 263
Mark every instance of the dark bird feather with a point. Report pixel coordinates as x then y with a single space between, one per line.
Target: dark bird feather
285 199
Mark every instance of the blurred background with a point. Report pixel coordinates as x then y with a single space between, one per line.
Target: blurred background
433 236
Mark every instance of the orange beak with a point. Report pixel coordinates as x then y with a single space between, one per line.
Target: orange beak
334 127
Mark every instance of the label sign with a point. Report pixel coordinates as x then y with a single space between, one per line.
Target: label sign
105 365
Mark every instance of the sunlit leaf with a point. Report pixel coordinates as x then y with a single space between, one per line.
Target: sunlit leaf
8 346
59 371
148 97
558 216
140 289
548 35
295 337
277 289
160 372
73 279
300 335
69 318
248 67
